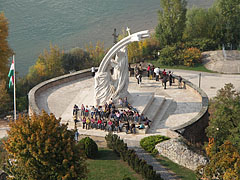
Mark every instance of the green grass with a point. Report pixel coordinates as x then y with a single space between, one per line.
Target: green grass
182 172
199 67
109 166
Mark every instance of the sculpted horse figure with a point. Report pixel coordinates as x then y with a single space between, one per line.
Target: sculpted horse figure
115 85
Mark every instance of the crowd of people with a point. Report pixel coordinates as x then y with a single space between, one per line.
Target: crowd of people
110 117
157 74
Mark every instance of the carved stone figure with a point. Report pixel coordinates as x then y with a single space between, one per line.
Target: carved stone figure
115 85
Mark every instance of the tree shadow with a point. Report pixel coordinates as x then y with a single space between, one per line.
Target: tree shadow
106 154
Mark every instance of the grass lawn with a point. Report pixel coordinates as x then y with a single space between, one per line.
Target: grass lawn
196 68
182 172
108 166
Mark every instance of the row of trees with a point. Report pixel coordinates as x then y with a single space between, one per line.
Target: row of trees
180 29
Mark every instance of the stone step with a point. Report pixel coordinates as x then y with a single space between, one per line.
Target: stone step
155 107
156 123
142 101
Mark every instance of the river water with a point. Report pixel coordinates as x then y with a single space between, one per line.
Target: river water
33 24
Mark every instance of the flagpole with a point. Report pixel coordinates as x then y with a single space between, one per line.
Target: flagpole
14 90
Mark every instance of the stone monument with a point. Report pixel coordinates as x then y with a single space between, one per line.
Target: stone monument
115 85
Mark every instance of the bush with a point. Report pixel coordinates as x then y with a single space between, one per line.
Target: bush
191 56
149 143
169 55
89 146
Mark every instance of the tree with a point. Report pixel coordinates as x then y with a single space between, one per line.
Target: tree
5 51
48 65
4 98
97 53
41 148
224 118
172 20
223 165
204 25
229 11
76 59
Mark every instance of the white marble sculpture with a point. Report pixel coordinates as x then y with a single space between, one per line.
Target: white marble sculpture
115 86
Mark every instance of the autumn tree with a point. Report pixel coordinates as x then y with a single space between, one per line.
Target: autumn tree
172 19
4 98
48 65
5 51
96 53
223 165
224 112
39 147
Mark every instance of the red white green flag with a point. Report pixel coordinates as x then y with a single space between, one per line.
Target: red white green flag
11 74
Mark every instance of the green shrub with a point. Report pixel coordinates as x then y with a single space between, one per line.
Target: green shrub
149 143
89 146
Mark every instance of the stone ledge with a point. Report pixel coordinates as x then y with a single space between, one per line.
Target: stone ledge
36 90
188 129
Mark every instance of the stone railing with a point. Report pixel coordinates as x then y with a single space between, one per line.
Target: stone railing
194 130
35 91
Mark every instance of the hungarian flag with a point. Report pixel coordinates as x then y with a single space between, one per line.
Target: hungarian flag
11 74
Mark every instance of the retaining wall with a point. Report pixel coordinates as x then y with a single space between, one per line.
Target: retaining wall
194 130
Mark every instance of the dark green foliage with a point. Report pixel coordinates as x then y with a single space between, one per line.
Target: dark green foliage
202 44
225 117
129 155
149 143
169 55
89 146
76 59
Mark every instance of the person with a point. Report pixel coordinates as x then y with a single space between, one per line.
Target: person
164 80
157 72
139 79
82 110
84 121
76 135
87 111
75 110
141 126
148 122
127 126
180 82
170 78
120 102
88 123
133 128
148 70
93 71
140 69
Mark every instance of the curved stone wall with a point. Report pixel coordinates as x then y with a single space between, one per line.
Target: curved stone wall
35 91
194 130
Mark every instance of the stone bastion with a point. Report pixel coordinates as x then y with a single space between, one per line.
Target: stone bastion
193 130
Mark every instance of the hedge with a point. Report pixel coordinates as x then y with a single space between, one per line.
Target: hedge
130 156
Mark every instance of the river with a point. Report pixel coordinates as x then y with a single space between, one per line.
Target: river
33 24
